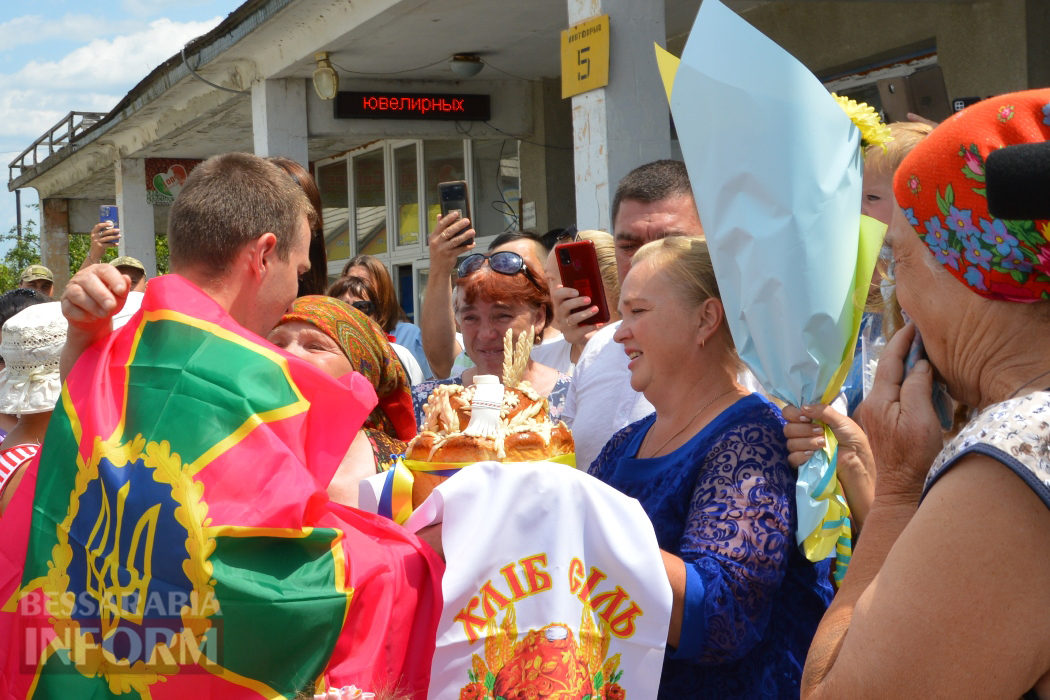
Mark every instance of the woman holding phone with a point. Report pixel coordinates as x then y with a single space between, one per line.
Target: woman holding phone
941 598
605 252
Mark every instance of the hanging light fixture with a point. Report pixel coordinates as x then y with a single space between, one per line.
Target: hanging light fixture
466 65
326 80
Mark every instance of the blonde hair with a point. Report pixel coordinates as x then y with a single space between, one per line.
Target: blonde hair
685 263
906 136
605 248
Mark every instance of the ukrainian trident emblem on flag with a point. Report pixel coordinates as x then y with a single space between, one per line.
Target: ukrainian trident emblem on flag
135 600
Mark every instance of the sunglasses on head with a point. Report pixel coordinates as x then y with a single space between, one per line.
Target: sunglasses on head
569 235
365 307
565 235
504 262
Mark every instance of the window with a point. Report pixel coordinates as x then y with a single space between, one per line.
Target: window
379 189
442 162
370 203
403 280
422 277
497 186
331 181
406 189
861 81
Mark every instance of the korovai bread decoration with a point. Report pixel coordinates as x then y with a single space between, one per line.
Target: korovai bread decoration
506 422
515 357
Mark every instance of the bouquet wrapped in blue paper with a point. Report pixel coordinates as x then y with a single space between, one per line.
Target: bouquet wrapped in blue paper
776 168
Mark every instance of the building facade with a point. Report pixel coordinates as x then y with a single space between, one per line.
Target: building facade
535 160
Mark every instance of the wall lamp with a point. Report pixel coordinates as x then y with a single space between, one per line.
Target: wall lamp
466 65
326 80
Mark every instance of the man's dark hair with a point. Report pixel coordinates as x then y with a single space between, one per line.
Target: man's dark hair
228 201
652 182
17 299
553 237
511 236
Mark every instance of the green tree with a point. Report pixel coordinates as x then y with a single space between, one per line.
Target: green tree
25 251
80 244
162 255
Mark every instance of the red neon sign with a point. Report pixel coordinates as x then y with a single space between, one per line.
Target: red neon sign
390 105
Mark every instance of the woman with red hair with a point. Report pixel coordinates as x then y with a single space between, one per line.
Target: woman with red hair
496 292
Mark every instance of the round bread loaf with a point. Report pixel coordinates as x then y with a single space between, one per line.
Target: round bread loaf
525 447
526 433
561 440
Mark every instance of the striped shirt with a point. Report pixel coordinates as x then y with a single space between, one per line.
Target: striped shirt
12 458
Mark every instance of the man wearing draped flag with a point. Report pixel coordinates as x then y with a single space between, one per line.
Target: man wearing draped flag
174 539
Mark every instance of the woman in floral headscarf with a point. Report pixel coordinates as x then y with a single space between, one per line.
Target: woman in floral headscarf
946 591
337 338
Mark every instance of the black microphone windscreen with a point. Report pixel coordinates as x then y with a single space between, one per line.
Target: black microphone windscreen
1018 181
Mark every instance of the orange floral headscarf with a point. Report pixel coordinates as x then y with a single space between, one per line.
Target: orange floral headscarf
940 187
370 354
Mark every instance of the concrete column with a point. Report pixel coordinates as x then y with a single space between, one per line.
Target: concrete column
137 234
546 165
627 123
54 242
279 119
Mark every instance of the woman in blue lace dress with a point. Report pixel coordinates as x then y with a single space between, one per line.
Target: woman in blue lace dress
495 293
710 469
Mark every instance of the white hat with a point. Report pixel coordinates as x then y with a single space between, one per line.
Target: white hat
31 348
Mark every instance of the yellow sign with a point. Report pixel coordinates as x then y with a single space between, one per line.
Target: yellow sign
585 56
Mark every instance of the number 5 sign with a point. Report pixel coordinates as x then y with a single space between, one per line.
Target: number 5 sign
585 56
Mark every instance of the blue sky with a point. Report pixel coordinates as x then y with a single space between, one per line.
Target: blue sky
59 56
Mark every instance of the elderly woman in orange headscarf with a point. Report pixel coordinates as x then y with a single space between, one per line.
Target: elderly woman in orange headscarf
946 591
338 339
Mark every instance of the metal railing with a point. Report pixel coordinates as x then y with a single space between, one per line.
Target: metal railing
55 139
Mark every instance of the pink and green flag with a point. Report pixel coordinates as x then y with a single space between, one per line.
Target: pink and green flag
174 538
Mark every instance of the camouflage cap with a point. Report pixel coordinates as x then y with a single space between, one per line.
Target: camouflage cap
127 261
37 272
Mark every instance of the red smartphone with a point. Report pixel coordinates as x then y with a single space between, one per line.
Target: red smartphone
578 267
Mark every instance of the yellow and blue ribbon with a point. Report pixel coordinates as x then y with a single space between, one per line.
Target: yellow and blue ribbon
395 500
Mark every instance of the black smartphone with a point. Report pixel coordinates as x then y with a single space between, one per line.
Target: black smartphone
453 197
942 402
578 267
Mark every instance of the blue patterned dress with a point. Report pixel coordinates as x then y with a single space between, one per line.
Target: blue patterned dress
724 502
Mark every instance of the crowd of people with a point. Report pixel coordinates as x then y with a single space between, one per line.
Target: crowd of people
941 595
